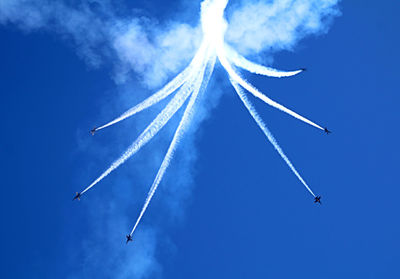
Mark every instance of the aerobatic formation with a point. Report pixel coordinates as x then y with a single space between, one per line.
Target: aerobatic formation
188 85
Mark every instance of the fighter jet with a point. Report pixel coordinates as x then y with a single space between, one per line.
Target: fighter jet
317 199
77 196
327 131
128 238
93 130
303 69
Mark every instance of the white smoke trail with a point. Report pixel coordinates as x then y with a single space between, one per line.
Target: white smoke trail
236 77
252 67
214 27
167 90
201 84
155 126
266 131
191 82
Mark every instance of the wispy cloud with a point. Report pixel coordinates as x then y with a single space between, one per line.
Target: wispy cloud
257 26
102 35
138 48
80 25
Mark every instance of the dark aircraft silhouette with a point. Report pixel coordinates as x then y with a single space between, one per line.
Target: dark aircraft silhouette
93 130
317 199
327 131
128 238
303 69
78 196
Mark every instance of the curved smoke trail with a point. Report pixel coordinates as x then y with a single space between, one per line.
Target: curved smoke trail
164 92
190 83
236 77
201 84
254 68
267 133
155 126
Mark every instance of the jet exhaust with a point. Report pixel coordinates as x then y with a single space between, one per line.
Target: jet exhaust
189 84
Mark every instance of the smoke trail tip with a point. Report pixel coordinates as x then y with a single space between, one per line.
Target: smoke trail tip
296 72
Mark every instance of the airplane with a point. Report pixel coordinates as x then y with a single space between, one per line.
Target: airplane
327 131
93 130
128 238
317 199
77 197
303 69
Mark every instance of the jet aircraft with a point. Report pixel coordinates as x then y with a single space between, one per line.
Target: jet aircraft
77 196
93 130
317 199
327 131
128 238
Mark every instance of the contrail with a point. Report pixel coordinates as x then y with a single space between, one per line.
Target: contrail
201 84
191 82
254 68
155 126
268 134
173 85
236 77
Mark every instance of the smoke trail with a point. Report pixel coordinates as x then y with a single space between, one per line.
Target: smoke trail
252 67
151 130
201 84
266 131
236 77
167 90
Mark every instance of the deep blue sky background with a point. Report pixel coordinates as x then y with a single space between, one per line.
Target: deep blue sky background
248 216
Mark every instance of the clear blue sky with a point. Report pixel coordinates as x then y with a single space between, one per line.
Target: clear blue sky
245 215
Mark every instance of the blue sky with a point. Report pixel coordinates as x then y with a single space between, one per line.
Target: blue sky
229 207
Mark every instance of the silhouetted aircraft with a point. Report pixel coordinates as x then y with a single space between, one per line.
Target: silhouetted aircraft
317 199
303 69
93 130
128 238
327 131
78 196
